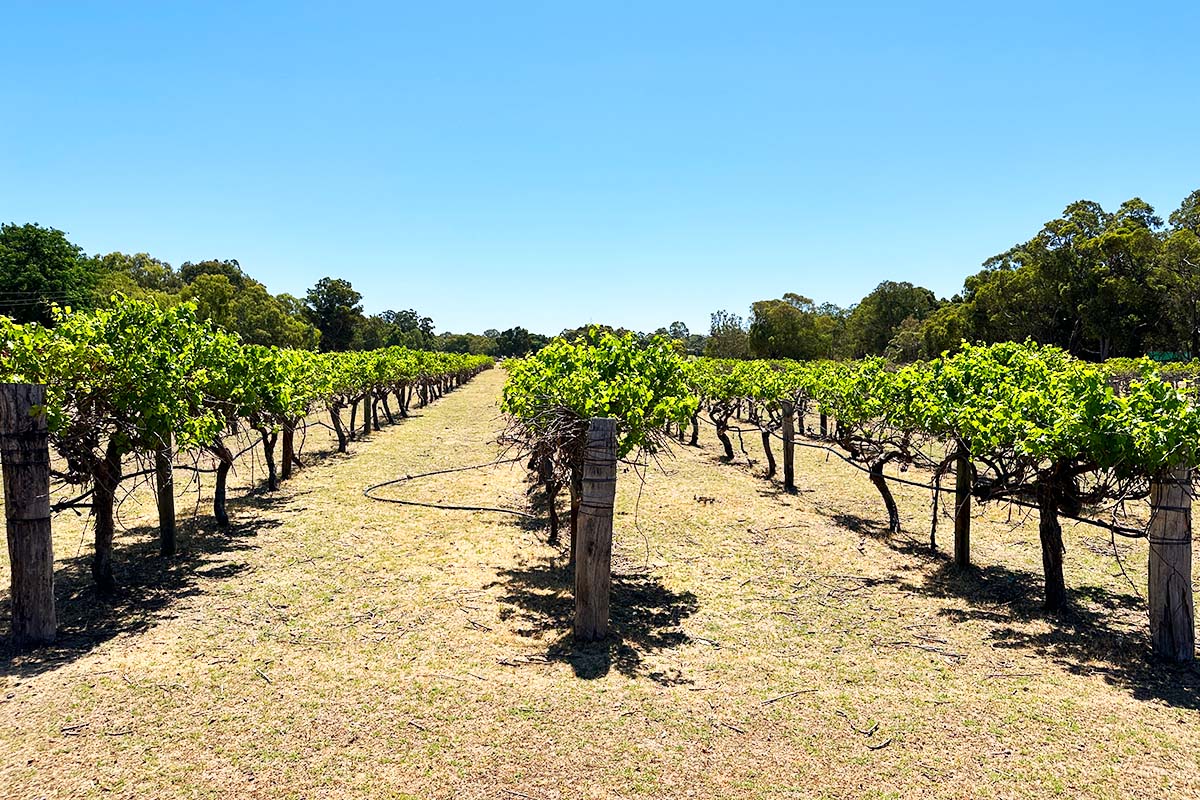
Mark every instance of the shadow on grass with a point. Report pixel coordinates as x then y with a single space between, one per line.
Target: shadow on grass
1101 632
645 617
149 585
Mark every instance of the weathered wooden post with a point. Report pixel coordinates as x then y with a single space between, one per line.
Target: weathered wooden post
1172 618
962 508
165 486
789 445
593 576
25 460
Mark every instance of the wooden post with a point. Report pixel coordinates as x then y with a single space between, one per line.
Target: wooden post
789 445
593 577
166 496
1172 628
962 508
25 460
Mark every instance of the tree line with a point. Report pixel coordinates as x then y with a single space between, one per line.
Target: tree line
1096 283
41 268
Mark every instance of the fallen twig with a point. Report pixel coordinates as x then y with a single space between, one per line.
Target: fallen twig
785 696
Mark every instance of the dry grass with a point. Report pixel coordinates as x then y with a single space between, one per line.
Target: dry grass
766 645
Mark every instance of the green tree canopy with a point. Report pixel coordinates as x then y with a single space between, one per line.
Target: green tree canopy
250 311
874 322
40 267
727 337
335 308
788 328
230 268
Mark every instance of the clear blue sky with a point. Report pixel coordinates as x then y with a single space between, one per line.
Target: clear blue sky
550 164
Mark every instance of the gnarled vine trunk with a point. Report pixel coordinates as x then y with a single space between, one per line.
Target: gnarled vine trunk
766 440
289 450
1050 532
224 464
788 413
576 484
106 475
721 421
335 416
880 482
545 467
269 438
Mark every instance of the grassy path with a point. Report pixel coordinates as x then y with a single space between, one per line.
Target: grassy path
767 646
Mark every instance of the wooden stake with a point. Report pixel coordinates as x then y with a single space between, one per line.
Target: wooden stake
789 445
165 485
25 460
1172 613
593 576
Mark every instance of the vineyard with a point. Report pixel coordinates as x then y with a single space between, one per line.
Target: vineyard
1016 423
137 379
822 573
1019 424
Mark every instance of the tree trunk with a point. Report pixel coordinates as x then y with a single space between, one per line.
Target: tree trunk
224 464
387 410
269 438
722 423
962 508
106 476
1052 544
766 440
165 488
353 433
824 424
1172 613
375 413
789 447
335 415
885 492
25 456
552 511
289 450
576 497
695 441
366 404
545 468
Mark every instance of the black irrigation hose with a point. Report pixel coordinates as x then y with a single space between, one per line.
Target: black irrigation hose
1120 530
75 503
494 509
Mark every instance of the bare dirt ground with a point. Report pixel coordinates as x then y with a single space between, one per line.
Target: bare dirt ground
766 646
